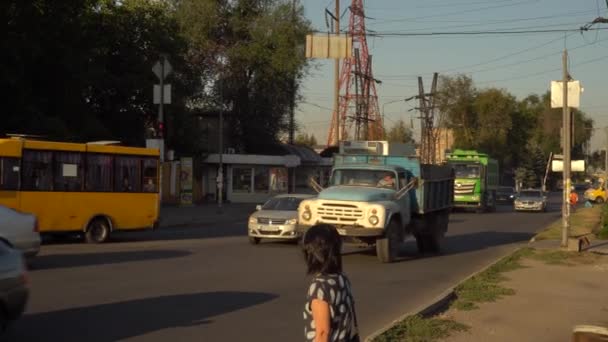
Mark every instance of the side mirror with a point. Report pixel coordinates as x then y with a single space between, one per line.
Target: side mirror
258 207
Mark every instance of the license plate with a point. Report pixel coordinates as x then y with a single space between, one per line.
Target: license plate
341 231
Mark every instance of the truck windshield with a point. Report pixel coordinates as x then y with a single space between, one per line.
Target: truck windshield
370 178
466 170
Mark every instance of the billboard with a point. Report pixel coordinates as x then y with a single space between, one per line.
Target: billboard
329 45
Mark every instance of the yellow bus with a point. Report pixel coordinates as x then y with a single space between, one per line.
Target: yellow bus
92 188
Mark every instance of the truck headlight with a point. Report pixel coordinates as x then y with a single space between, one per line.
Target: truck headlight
306 215
374 220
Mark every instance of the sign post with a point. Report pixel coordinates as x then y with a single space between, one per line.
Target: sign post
161 69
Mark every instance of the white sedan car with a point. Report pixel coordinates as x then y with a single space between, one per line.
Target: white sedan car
20 231
276 219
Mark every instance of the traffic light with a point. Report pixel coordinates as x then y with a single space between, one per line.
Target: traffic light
161 129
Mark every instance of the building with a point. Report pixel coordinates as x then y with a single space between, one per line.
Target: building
443 144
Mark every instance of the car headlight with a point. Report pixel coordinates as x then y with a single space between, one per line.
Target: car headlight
292 221
374 220
306 215
253 220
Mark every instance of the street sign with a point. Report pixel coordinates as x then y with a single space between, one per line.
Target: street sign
575 165
159 71
166 94
557 94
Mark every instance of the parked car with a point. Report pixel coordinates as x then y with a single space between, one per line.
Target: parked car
505 194
276 219
20 230
530 200
14 291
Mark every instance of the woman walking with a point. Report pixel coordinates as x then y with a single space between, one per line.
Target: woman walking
329 312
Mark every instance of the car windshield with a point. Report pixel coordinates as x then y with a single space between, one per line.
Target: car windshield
283 203
467 170
369 178
530 194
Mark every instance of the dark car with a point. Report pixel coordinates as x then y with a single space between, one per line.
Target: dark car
13 285
505 194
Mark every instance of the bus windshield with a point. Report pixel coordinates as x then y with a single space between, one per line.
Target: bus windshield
467 170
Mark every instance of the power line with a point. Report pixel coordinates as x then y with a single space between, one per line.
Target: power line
459 12
543 72
478 33
519 52
506 21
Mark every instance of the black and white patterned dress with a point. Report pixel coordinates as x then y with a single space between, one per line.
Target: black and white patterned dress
336 291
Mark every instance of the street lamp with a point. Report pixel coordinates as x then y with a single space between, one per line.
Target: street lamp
384 104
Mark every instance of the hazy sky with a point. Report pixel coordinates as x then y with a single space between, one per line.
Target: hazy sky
521 64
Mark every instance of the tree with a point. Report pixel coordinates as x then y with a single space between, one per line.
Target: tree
455 100
306 140
400 133
255 56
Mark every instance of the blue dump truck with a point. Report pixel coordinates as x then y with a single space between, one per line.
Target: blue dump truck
380 200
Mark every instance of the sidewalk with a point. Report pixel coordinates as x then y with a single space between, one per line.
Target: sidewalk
206 214
554 292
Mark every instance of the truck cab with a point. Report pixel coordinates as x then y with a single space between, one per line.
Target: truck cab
476 180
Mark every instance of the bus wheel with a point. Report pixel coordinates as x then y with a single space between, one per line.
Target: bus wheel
599 200
98 231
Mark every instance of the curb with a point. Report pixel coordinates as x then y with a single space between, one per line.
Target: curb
440 303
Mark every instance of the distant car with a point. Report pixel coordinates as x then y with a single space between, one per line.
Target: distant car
20 230
14 290
530 200
276 219
505 194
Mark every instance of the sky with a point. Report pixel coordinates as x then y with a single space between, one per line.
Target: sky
519 63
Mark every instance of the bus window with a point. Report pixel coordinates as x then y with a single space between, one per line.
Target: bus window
68 171
150 175
37 171
99 173
9 173
127 174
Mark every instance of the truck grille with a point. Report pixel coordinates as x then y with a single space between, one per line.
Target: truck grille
339 212
463 189
266 220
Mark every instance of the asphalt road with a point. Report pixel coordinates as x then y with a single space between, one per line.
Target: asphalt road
209 284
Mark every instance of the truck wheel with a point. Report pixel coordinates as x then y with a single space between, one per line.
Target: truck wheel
387 247
98 231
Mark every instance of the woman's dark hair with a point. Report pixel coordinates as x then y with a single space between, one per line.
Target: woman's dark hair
322 250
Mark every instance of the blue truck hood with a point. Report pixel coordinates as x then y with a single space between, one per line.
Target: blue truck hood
356 193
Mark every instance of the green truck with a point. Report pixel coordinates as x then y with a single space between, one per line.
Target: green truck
476 180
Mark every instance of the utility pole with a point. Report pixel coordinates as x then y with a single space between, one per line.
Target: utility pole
567 150
220 172
337 80
292 103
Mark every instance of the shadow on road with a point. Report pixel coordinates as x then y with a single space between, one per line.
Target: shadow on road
122 320
455 244
91 259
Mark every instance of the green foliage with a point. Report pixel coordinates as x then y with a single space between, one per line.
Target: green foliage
306 140
81 69
485 286
400 133
419 329
521 134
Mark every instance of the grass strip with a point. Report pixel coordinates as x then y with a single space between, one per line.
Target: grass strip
420 329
